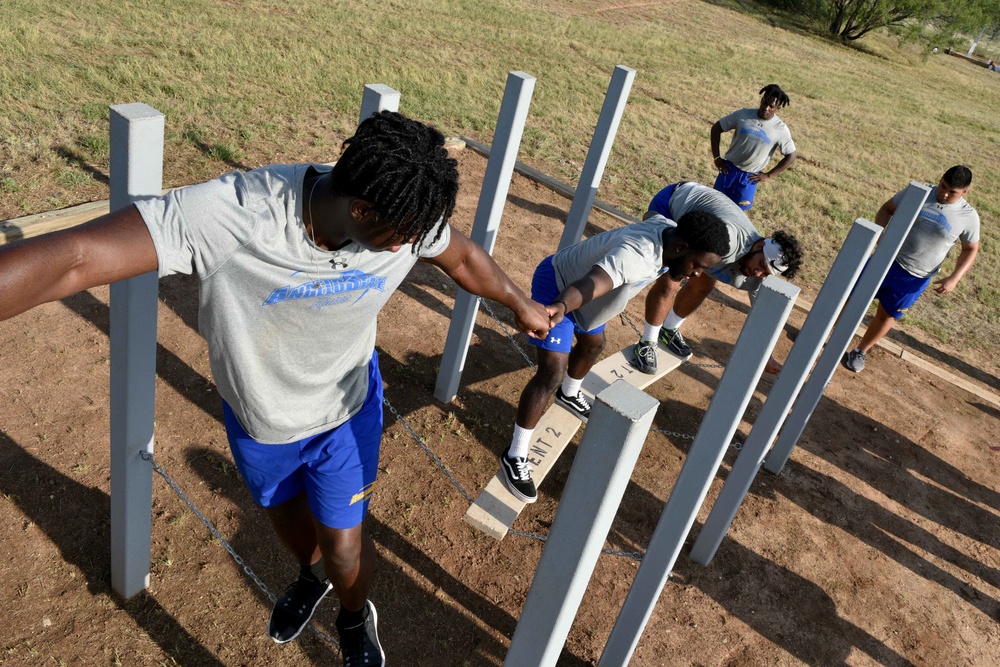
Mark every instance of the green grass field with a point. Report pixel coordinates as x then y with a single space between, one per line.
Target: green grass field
249 82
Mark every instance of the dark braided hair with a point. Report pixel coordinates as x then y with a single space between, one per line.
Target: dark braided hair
774 91
401 167
792 251
704 232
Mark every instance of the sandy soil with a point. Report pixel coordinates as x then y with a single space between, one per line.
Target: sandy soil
878 545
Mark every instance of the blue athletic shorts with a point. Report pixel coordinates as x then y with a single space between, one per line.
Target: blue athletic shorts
544 290
737 186
336 469
900 290
660 203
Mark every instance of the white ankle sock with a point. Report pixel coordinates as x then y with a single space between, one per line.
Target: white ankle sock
519 443
571 386
673 321
650 332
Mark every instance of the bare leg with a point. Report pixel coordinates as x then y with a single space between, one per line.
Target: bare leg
693 294
293 523
879 327
349 557
536 394
585 354
661 298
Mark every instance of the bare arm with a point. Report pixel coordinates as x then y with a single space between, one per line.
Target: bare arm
885 213
49 267
965 261
782 165
596 283
475 271
717 159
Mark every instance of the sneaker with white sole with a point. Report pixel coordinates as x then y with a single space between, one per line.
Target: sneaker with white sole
359 643
294 609
578 405
644 357
854 360
675 342
515 473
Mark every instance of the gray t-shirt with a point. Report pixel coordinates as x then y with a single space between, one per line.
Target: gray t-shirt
755 139
934 231
632 255
742 234
290 327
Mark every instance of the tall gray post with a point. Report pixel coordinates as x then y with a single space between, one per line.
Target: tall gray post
864 291
377 97
746 363
836 288
496 183
601 470
136 171
597 156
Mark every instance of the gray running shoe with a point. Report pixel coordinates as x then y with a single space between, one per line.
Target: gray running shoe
644 357
674 341
359 644
854 360
516 476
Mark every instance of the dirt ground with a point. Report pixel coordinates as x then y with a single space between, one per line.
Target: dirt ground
879 544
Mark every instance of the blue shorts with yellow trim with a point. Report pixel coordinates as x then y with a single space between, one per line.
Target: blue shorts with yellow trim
736 185
336 469
900 290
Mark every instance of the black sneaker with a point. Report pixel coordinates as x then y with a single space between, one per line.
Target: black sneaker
517 478
644 357
854 360
294 609
674 341
578 405
359 644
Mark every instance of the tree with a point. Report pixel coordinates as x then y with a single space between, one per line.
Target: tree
853 19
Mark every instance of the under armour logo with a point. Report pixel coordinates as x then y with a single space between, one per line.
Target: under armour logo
337 264
553 339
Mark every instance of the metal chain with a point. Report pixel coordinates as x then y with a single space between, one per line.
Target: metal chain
634 555
503 326
628 319
146 456
427 449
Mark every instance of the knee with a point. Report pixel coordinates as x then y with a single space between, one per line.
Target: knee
341 552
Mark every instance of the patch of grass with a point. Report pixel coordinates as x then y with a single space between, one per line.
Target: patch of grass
8 184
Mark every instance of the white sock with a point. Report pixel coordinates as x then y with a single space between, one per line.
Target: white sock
673 321
519 443
650 332
571 386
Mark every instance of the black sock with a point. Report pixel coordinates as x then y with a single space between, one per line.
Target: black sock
314 572
351 619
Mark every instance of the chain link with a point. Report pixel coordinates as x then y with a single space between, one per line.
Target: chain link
506 330
146 456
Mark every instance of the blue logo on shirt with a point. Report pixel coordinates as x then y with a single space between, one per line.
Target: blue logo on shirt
935 219
754 132
348 281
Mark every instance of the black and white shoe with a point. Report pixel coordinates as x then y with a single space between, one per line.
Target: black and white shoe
644 357
675 342
578 405
359 643
515 473
294 609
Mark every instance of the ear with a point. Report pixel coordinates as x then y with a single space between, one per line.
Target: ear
360 209
681 248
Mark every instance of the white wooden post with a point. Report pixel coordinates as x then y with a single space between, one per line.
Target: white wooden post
377 97
746 363
864 291
597 155
601 470
136 171
836 288
496 183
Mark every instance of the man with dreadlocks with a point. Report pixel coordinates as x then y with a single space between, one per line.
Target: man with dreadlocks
751 258
758 132
586 285
295 263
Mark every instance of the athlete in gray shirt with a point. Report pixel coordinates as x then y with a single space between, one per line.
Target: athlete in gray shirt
295 262
944 219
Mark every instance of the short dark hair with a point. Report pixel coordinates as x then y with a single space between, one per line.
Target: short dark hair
958 176
774 91
401 167
704 232
792 251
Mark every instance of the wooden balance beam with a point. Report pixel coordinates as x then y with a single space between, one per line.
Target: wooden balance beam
495 509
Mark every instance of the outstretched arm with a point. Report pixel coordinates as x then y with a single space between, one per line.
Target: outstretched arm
49 267
475 271
965 261
596 283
